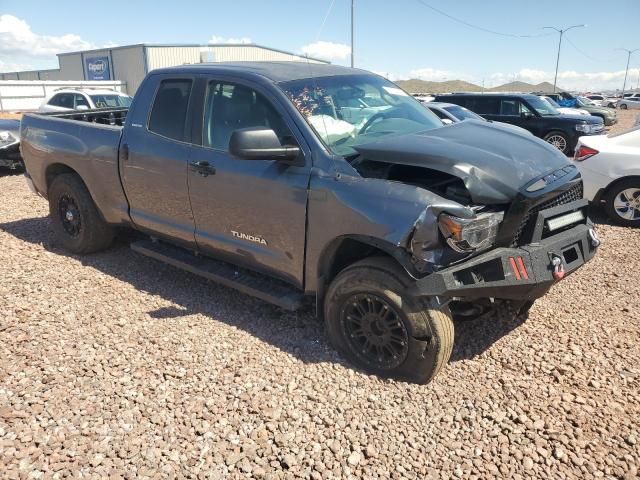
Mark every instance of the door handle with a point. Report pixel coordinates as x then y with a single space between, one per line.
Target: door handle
203 168
124 152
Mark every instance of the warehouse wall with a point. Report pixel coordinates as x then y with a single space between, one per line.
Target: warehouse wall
71 67
240 53
160 57
128 66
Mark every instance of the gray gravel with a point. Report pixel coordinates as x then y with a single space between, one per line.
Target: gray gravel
114 364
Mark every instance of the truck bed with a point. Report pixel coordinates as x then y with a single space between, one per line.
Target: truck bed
104 116
86 143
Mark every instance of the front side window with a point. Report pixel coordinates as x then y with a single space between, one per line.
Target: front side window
169 112
230 107
349 110
80 100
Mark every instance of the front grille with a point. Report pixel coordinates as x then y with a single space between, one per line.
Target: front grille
568 196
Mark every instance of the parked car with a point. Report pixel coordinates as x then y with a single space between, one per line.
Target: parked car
10 144
632 103
608 115
531 113
450 113
64 100
392 225
596 99
564 110
610 168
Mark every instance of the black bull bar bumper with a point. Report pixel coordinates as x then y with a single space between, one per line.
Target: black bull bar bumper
522 273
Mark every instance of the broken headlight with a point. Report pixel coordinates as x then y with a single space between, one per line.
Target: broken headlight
6 139
467 235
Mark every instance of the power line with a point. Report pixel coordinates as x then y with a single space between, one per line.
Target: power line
580 51
478 27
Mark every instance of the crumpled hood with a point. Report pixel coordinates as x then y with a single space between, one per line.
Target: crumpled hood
494 162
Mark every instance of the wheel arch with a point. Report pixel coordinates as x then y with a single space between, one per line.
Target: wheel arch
56 169
606 190
348 249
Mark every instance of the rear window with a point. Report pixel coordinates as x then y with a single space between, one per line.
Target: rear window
169 112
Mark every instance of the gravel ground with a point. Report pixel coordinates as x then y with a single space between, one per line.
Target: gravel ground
116 365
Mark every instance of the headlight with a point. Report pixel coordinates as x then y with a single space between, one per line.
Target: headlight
6 138
587 128
470 235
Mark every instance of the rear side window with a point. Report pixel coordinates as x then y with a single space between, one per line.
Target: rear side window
485 106
169 111
62 100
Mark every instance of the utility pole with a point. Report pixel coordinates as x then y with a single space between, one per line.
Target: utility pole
626 72
561 31
352 9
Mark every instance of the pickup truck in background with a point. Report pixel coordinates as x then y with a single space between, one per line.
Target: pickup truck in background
293 182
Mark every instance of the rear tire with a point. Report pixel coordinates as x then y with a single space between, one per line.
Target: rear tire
376 326
623 106
76 221
558 140
622 202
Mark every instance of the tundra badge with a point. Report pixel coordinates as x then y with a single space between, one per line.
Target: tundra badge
251 238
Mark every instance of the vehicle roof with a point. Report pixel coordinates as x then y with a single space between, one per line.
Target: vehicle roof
99 91
275 71
489 94
441 104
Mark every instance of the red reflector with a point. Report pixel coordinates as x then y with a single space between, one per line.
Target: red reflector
582 153
522 268
515 268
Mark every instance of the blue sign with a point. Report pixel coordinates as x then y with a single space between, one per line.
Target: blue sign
98 68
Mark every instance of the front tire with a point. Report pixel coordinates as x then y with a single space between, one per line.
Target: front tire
558 140
622 202
76 221
376 326
623 106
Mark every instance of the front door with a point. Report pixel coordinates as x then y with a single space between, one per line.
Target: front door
250 212
154 160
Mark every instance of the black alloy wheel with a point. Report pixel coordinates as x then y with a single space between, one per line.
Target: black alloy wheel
69 215
374 331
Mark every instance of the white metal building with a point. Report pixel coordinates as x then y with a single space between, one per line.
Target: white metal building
131 63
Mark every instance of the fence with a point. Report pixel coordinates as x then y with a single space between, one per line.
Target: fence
24 95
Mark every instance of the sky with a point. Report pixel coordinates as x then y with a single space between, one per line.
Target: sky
397 38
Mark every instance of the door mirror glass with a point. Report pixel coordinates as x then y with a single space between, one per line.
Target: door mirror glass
258 143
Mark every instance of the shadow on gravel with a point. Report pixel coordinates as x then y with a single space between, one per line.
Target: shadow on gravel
8 172
299 334
474 337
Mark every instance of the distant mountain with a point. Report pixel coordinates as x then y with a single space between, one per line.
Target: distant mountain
523 87
422 86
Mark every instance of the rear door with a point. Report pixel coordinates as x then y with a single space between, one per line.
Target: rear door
154 157
249 212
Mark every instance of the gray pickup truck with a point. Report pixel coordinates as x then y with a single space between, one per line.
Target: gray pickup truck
295 182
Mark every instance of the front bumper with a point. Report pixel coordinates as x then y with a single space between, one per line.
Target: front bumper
523 273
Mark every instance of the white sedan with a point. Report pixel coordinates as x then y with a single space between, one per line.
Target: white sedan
629 103
610 168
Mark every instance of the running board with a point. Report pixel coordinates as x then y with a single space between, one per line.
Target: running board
250 283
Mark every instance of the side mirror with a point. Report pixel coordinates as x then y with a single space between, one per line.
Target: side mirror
526 115
446 121
82 107
259 143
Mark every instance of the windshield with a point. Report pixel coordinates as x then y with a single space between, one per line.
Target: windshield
104 101
551 101
542 107
462 113
350 110
583 101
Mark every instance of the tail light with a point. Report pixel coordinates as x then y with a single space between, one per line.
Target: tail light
582 153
